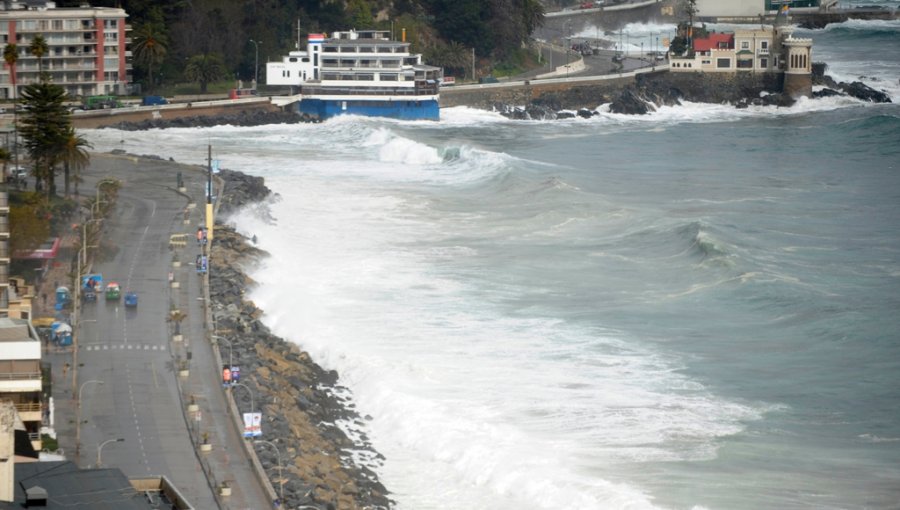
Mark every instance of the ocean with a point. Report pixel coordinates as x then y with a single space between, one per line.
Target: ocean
694 309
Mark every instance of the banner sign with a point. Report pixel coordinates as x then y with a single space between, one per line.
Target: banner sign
226 375
252 424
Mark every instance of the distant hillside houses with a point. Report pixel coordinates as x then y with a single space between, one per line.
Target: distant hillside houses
759 50
753 8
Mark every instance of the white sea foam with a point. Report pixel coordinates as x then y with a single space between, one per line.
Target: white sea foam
890 25
463 397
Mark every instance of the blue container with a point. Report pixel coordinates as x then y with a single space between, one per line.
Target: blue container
62 295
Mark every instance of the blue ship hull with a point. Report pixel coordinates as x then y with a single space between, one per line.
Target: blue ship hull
403 110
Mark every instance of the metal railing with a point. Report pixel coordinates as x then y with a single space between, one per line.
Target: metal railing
29 407
19 376
356 91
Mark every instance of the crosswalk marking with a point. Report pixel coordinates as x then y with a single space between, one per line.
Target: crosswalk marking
139 347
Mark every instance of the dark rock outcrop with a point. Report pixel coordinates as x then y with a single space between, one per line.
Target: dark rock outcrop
630 102
826 93
861 91
319 432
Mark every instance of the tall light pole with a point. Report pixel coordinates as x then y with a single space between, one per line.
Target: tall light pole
280 477
255 65
230 351
78 416
104 443
248 391
76 302
94 206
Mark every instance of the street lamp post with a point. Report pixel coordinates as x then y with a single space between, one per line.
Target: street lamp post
255 65
248 391
104 443
78 416
94 206
280 477
76 303
230 351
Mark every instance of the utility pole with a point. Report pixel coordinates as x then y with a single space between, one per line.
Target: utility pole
209 204
256 65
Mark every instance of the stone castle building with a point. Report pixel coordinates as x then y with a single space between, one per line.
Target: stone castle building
759 50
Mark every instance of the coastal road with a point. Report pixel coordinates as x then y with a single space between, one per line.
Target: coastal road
131 350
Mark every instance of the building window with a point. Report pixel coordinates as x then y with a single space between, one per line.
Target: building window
723 63
707 62
764 45
745 64
57 24
745 45
764 63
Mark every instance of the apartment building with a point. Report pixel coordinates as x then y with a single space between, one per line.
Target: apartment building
88 47
750 8
4 252
20 374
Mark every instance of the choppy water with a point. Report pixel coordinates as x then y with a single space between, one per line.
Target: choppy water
694 309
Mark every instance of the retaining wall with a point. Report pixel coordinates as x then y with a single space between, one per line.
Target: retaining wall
100 118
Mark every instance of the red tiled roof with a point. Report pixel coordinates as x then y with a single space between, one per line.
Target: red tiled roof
712 42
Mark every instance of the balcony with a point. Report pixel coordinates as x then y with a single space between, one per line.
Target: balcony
30 411
762 51
20 382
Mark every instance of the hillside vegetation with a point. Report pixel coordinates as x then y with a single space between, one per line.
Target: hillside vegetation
209 40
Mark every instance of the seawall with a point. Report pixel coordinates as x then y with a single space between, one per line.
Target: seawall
486 96
92 119
573 95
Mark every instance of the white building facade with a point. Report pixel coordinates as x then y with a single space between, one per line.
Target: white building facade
20 373
755 8
87 48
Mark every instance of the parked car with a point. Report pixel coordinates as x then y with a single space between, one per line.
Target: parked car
18 174
131 300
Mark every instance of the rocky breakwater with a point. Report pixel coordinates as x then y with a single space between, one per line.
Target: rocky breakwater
327 459
652 90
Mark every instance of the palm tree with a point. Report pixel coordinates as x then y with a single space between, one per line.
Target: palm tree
149 49
457 57
39 48
204 69
11 56
73 155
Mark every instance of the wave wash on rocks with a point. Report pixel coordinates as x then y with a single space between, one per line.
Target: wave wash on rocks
303 405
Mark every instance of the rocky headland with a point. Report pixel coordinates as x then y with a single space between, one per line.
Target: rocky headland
326 455
652 90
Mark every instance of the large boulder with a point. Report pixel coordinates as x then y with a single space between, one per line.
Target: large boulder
864 92
631 103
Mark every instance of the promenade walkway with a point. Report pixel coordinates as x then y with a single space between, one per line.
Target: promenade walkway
165 434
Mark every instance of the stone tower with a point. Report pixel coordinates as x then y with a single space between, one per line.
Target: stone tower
796 58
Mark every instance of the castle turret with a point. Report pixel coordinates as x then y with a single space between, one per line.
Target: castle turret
796 56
